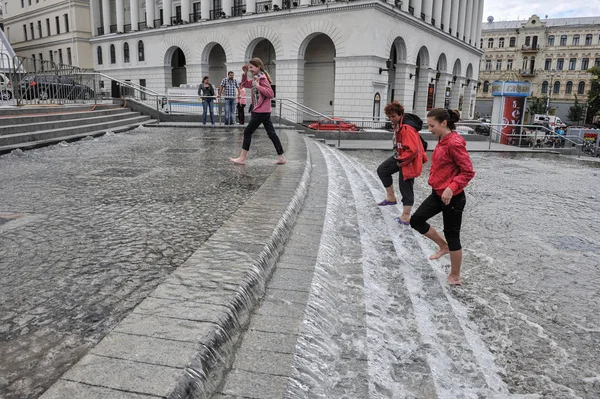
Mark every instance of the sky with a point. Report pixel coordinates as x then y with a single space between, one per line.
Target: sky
511 10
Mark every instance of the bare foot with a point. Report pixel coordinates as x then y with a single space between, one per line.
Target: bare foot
237 161
439 254
405 218
281 160
452 280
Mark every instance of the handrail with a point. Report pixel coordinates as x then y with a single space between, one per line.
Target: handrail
130 84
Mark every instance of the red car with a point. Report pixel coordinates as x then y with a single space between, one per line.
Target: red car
333 124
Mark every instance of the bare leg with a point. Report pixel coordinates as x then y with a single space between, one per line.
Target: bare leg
455 263
280 160
390 196
434 236
241 160
405 217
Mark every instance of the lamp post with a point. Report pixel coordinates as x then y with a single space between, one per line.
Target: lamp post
550 89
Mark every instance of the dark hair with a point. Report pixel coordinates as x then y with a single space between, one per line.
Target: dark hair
204 78
448 115
229 72
394 108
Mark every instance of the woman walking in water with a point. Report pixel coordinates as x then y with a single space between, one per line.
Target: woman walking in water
451 171
409 156
262 93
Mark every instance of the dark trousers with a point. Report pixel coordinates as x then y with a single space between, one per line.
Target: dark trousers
256 120
385 172
451 213
240 110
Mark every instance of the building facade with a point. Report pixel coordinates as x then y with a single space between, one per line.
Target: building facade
553 54
50 30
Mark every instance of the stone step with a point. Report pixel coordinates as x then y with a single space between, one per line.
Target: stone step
37 124
52 109
20 119
46 137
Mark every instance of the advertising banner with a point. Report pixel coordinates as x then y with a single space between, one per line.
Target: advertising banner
512 115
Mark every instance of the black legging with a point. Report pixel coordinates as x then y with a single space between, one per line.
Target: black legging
385 172
255 121
451 213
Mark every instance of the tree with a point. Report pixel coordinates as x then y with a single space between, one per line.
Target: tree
575 114
594 93
536 106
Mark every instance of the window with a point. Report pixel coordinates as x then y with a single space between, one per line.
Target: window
60 57
501 42
490 43
556 89
575 40
486 86
509 65
569 87
143 93
69 57
548 64
34 61
113 56
488 65
126 52
550 40
58 25
588 40
512 42
581 87
498 65
39 29
525 62
25 32
597 62
22 3
42 61
544 87
32 31
140 51
528 40
560 64
585 64
572 62
66 22
480 41
563 40
99 54
48 26
51 56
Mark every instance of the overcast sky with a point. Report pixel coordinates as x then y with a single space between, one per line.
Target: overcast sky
510 10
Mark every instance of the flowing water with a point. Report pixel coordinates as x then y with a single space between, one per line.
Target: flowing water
381 321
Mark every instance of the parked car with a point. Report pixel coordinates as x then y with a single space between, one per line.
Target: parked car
333 124
6 89
478 127
46 87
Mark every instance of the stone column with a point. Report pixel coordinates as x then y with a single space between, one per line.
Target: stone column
440 89
437 13
468 21
454 17
205 9
290 75
455 93
427 10
167 11
120 16
250 6
446 12
478 28
106 16
186 10
417 7
95 16
135 14
150 13
462 11
404 85
420 107
227 4
404 5
468 101
474 23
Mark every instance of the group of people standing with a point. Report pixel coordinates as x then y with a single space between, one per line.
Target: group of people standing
234 99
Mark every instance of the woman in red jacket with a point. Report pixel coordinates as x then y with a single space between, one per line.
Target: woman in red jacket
451 171
409 156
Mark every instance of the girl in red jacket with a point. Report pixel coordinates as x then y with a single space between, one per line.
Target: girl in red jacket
409 156
451 171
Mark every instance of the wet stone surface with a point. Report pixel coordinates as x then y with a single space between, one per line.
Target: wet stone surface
531 268
112 218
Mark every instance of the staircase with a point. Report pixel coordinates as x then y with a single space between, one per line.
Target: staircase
27 128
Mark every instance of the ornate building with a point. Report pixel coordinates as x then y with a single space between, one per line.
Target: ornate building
553 54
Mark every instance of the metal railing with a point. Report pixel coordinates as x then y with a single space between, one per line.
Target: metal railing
195 17
238 10
262 6
217 13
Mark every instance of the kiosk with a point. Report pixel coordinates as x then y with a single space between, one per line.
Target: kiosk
510 100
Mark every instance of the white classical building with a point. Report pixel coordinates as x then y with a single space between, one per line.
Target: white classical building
343 58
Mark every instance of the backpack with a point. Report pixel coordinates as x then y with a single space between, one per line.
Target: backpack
417 123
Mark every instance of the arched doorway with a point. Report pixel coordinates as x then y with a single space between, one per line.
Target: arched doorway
319 74
178 70
440 82
216 64
397 54
421 85
266 52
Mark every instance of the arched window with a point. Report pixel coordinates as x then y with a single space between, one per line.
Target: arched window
556 89
588 40
113 55
490 43
501 42
551 40
569 87
486 86
126 52
525 62
544 87
575 40
99 53
581 87
140 51
512 42
376 105
563 40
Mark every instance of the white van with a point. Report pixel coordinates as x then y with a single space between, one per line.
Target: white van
550 120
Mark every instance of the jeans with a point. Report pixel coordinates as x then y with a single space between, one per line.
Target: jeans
385 172
255 121
208 103
230 111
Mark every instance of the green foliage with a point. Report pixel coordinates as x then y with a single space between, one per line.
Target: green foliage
536 105
576 112
594 93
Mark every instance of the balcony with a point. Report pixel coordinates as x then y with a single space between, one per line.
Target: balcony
113 29
142 25
100 31
176 20
195 17
530 49
217 14
158 23
127 28
262 6
527 72
238 10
